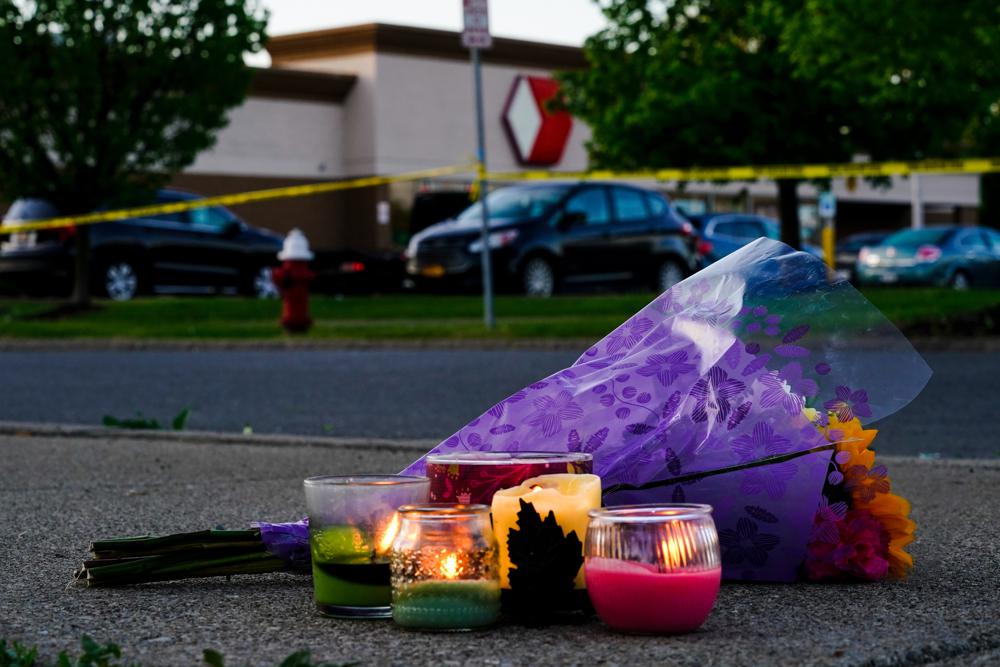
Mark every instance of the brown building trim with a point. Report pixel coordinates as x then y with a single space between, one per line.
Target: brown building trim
385 38
293 84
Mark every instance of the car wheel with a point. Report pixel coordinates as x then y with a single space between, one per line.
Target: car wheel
263 284
120 280
960 281
538 278
668 274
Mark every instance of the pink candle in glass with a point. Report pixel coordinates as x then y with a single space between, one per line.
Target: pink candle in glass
653 568
637 597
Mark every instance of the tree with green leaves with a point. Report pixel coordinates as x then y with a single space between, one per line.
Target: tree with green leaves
926 76
727 82
102 102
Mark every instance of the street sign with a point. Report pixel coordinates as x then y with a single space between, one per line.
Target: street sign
827 205
476 30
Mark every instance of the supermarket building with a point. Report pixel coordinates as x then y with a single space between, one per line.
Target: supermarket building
380 99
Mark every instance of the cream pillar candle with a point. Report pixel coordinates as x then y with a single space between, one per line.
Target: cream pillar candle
570 497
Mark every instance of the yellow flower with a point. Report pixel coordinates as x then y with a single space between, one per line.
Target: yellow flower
892 511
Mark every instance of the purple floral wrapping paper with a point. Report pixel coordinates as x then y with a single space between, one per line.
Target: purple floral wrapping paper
714 374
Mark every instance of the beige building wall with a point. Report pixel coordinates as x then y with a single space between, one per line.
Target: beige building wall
278 138
425 115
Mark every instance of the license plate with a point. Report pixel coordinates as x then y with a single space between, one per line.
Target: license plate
433 271
888 277
20 240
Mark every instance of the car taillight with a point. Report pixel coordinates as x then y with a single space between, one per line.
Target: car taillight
703 248
928 253
64 234
687 229
352 267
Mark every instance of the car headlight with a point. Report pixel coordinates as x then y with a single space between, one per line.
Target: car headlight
496 240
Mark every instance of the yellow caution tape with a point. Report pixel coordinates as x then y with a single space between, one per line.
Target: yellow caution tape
777 171
745 173
10 226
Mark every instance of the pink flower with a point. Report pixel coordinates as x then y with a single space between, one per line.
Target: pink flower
860 551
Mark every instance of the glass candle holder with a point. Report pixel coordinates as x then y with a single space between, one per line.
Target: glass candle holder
444 568
653 568
352 524
473 477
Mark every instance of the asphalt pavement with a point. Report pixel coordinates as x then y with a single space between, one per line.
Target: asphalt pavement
59 493
402 393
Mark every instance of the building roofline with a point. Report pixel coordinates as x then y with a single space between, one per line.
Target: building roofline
409 40
291 84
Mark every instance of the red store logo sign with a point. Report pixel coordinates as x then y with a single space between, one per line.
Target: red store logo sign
537 135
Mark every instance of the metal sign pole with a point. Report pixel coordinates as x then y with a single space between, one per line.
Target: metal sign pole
489 319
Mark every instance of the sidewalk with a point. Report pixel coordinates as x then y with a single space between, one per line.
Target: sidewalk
59 491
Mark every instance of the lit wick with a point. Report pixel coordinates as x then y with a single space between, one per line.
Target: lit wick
389 536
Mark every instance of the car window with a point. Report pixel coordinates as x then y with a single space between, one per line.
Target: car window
738 229
31 209
657 205
629 205
994 239
972 241
517 202
179 217
914 238
212 216
592 203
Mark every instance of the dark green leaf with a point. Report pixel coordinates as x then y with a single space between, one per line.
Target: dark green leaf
213 658
544 564
181 419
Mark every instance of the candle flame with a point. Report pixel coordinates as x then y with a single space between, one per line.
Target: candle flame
391 530
449 566
677 546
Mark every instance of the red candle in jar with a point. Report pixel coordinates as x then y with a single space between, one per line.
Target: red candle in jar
653 568
473 477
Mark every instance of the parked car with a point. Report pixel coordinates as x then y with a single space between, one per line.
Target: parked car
725 233
354 272
435 206
849 247
204 250
960 257
545 236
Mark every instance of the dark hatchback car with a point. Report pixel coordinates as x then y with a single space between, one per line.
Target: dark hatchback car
544 236
199 251
960 257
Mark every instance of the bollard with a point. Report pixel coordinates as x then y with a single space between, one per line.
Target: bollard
292 279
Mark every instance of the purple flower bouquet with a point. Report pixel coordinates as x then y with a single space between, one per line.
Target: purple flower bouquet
722 391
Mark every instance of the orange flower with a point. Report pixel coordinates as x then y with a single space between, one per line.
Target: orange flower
874 495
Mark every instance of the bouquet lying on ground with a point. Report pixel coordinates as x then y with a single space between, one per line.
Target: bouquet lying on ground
744 387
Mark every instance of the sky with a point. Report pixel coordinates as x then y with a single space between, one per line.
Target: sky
556 21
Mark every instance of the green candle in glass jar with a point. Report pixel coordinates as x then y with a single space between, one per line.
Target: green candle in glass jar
445 572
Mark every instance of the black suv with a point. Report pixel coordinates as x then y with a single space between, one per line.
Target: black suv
542 236
203 250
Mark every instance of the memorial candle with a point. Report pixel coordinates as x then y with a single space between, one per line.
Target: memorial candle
569 497
653 568
444 568
473 477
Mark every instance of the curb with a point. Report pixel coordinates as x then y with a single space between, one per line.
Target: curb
33 429
129 345
922 344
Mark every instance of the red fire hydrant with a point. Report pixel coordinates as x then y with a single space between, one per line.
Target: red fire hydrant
292 279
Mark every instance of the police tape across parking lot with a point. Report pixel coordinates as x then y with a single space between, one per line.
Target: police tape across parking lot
734 173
